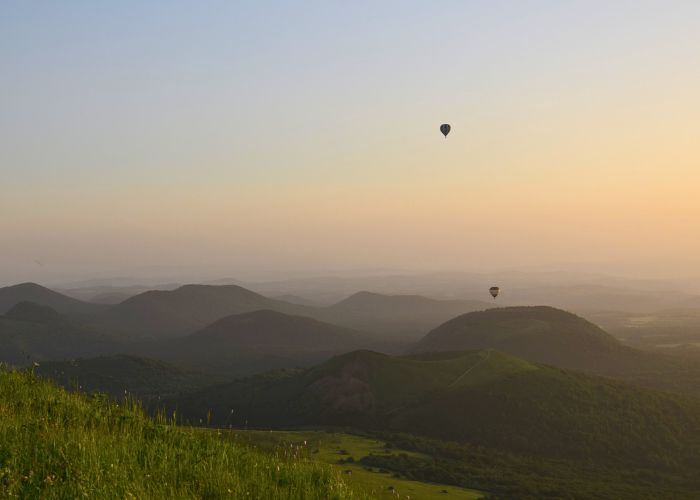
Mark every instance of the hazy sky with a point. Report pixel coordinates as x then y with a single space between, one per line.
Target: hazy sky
304 135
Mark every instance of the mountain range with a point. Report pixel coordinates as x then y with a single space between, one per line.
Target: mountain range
176 313
178 326
536 383
158 314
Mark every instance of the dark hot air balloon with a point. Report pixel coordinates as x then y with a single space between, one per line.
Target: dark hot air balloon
445 129
494 291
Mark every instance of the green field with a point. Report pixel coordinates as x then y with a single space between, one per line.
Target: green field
336 447
59 445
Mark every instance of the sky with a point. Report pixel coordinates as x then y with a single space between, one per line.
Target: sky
286 136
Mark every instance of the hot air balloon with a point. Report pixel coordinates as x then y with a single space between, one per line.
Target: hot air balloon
445 129
494 291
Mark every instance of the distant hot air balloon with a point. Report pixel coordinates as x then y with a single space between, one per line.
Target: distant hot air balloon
445 129
494 291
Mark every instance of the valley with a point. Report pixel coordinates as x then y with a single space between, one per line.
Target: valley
480 404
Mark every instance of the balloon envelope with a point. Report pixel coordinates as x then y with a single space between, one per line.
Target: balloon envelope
494 291
445 129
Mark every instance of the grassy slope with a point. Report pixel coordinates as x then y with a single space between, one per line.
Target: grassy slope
335 447
424 468
59 445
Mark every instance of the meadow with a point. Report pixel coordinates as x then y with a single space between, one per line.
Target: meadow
59 445
346 451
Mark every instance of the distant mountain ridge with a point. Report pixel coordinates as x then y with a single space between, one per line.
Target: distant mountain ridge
370 301
158 314
176 313
169 314
31 292
407 316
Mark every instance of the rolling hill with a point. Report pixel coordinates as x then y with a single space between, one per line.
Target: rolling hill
538 333
110 294
158 314
169 314
481 397
405 316
31 332
120 375
259 330
559 338
31 292
242 344
34 313
61 445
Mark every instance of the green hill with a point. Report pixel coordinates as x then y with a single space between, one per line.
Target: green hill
161 314
484 397
237 345
33 313
539 333
59 445
120 374
259 330
559 338
10 296
175 313
32 332
261 340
